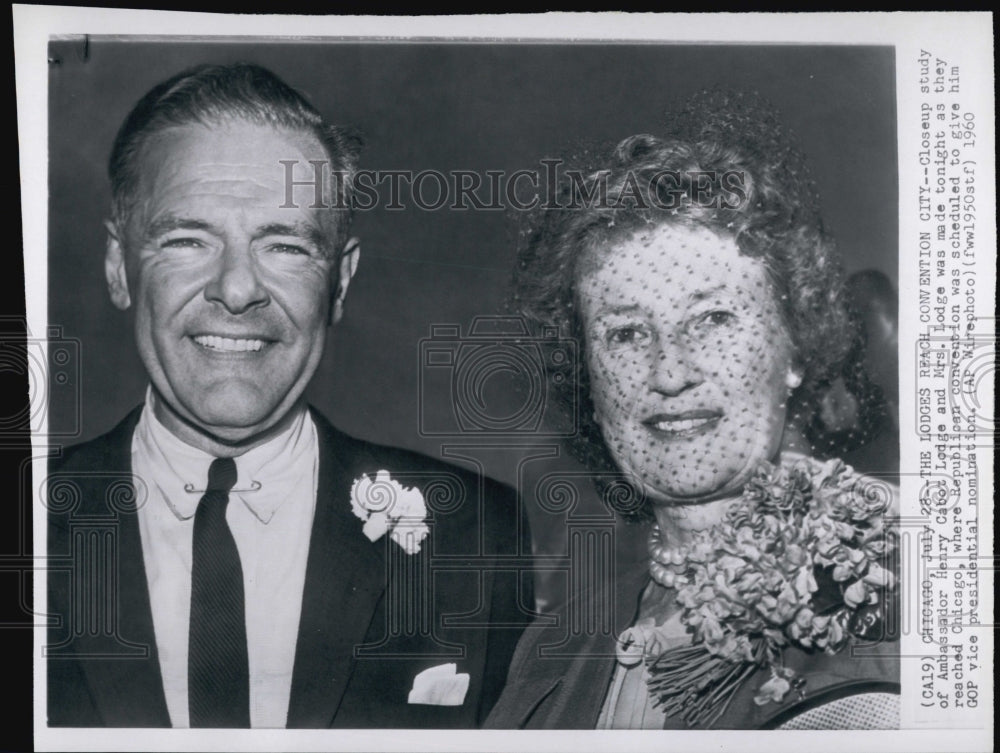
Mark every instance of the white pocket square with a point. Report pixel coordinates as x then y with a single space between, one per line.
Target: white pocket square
440 686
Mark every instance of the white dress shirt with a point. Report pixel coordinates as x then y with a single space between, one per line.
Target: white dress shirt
270 514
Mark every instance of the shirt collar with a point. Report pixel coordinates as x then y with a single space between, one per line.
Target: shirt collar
264 473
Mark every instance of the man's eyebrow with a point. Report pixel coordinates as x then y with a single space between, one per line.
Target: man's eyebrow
171 222
296 230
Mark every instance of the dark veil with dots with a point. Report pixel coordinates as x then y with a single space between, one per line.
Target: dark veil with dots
693 268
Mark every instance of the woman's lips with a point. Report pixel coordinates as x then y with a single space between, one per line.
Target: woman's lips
686 424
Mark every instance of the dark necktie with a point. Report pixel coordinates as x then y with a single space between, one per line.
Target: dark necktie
218 668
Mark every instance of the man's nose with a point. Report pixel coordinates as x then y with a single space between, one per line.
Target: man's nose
672 369
236 282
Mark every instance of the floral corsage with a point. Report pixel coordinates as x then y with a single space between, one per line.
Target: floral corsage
385 505
801 559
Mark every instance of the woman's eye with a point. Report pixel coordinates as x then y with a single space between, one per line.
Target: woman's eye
716 319
627 335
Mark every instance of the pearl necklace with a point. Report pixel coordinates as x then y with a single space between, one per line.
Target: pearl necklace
666 562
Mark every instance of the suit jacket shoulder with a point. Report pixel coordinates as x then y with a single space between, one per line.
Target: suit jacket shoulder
104 462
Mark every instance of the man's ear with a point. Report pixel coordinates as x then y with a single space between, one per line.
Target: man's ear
348 266
114 269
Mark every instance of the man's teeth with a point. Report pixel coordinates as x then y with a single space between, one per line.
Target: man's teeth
683 424
227 343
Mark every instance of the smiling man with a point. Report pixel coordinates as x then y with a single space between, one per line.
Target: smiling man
232 292
264 570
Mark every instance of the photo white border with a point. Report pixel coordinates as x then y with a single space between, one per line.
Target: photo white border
965 38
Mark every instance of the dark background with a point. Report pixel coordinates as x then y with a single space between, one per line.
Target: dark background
444 106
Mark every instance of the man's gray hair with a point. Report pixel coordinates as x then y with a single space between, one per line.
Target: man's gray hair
211 94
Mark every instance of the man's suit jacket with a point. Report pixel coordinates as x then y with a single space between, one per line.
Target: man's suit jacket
372 616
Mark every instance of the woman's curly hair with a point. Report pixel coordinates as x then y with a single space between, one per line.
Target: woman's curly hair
725 164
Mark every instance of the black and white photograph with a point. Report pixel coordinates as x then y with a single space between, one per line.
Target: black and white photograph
447 387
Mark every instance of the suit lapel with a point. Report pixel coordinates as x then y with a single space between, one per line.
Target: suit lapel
573 685
128 689
345 578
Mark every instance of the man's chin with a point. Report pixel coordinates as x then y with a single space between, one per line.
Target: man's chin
231 417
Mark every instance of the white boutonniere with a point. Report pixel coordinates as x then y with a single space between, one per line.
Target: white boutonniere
385 505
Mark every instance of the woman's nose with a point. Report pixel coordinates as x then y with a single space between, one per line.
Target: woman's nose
672 369
236 282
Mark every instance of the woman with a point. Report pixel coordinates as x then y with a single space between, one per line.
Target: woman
708 300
